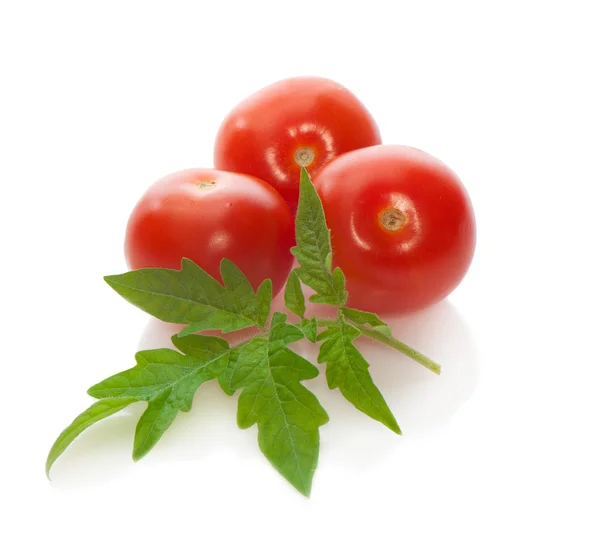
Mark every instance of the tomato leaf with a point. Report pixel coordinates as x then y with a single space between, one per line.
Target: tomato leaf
363 317
287 414
191 296
294 297
313 250
164 378
167 380
349 371
196 345
264 297
96 412
309 327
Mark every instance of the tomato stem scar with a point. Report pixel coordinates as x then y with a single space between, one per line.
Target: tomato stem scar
392 219
304 156
205 185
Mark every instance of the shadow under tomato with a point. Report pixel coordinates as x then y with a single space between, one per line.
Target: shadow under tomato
420 398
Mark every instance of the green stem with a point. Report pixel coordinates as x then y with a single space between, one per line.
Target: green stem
327 322
391 342
399 346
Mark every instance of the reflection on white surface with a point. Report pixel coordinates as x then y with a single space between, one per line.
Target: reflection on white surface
101 454
424 399
420 400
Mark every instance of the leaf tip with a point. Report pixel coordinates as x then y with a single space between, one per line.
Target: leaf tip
390 422
304 174
303 486
305 491
49 463
227 390
226 263
138 453
186 262
110 279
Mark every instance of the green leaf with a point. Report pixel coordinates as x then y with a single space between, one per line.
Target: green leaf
203 347
191 296
96 412
349 371
154 422
211 349
294 297
363 317
313 250
329 260
228 362
264 297
309 327
167 380
287 414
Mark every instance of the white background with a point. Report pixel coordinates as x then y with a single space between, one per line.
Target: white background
99 99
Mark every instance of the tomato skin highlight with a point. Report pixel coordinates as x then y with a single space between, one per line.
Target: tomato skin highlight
298 121
207 215
402 227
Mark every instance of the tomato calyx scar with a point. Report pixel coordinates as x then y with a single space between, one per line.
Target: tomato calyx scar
392 219
304 156
204 185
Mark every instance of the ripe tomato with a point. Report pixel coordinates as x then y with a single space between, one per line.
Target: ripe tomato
402 227
292 123
207 215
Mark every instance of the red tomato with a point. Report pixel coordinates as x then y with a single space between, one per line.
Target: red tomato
207 215
292 123
402 227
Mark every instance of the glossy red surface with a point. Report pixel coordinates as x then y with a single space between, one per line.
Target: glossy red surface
262 135
207 215
431 242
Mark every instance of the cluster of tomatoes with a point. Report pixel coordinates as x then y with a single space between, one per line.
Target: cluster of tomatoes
402 225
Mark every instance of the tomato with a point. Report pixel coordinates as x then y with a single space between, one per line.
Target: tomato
402 227
207 215
295 122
